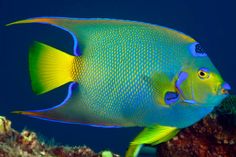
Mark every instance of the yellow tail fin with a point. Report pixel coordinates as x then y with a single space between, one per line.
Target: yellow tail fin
49 67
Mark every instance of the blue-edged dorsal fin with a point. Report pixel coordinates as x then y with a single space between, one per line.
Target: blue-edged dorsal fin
67 24
85 29
81 29
71 111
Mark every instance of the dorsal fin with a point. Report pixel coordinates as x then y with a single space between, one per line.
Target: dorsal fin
62 23
80 29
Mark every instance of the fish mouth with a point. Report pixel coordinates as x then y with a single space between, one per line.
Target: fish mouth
223 88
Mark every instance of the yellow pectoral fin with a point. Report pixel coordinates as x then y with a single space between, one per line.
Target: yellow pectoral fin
164 88
153 136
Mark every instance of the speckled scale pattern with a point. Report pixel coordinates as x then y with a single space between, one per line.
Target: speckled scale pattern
118 61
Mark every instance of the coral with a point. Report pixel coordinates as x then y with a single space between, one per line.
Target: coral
26 144
5 125
211 137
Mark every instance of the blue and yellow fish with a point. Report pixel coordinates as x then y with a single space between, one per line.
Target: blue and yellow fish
126 74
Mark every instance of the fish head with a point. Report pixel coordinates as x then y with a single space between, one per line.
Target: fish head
203 84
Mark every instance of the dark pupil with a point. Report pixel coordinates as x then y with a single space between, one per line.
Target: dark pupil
199 49
202 73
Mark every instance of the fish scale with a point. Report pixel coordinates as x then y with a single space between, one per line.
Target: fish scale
141 64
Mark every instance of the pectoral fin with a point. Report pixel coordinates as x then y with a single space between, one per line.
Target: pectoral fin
153 136
164 88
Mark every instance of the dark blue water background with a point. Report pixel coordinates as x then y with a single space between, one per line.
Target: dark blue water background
211 22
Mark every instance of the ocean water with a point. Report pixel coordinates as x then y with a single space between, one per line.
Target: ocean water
212 23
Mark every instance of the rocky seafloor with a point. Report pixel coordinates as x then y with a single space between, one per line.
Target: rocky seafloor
213 136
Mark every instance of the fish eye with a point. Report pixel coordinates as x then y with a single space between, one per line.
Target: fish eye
203 73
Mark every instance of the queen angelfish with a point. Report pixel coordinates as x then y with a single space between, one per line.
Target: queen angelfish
124 74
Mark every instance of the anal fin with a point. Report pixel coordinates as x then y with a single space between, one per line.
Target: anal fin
70 111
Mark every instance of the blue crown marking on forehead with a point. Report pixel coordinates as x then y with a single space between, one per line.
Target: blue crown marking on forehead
197 50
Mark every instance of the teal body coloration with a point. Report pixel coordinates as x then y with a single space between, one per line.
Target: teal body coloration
119 59
120 75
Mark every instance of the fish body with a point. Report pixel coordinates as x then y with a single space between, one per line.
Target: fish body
125 74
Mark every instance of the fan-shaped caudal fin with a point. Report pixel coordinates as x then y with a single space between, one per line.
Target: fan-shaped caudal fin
153 136
51 68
